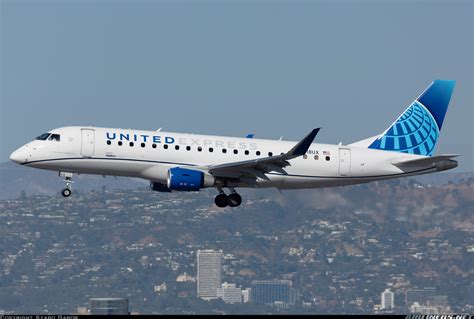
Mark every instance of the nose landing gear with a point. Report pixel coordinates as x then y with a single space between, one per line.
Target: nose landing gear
66 192
232 200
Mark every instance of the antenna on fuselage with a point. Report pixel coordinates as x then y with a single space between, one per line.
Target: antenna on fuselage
158 130
281 138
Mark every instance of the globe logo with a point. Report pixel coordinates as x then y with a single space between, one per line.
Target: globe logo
414 132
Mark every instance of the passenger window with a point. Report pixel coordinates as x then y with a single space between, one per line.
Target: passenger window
246 152
131 144
258 153
143 144
316 157
109 142
328 158
211 149
270 154
305 156
43 137
224 150
165 146
236 151
199 149
188 148
176 147
120 143
153 145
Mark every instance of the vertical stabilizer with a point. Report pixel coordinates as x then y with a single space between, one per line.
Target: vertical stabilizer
416 131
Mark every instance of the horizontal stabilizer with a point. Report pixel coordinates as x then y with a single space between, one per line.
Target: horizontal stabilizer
425 161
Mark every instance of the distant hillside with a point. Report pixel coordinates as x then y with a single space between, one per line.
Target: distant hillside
439 179
15 178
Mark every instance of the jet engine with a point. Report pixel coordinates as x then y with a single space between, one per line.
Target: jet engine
182 179
158 187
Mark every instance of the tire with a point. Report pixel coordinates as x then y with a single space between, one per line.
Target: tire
66 192
221 200
234 200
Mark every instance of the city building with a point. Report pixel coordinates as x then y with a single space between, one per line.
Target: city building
184 277
423 310
82 311
161 288
273 292
418 295
108 306
439 302
471 294
387 300
209 273
246 295
229 293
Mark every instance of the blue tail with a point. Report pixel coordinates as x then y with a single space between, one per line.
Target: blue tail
416 131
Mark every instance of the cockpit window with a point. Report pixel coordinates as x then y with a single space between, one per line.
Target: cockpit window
54 137
43 137
49 137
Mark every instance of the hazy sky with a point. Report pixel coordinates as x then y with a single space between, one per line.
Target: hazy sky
273 68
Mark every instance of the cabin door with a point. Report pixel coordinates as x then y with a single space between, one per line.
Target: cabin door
88 142
344 162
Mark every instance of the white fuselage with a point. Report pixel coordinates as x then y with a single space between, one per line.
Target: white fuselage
95 150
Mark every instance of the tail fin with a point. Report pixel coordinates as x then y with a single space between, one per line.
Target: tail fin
416 131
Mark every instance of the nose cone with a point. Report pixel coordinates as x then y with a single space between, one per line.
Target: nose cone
17 156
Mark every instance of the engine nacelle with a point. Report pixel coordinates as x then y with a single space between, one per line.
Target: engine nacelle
182 179
158 187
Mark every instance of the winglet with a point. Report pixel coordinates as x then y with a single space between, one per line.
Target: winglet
301 148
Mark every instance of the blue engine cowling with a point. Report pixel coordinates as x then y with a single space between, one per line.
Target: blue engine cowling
182 179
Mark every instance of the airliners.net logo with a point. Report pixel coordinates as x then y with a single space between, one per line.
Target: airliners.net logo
439 317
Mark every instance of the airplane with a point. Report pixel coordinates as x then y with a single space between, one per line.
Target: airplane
190 162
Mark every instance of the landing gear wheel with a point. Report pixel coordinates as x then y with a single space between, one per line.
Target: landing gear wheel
66 192
234 200
221 200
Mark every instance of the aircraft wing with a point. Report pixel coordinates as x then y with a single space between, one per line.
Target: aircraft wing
425 161
249 171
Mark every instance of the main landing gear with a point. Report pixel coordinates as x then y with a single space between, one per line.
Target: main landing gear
232 200
66 192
